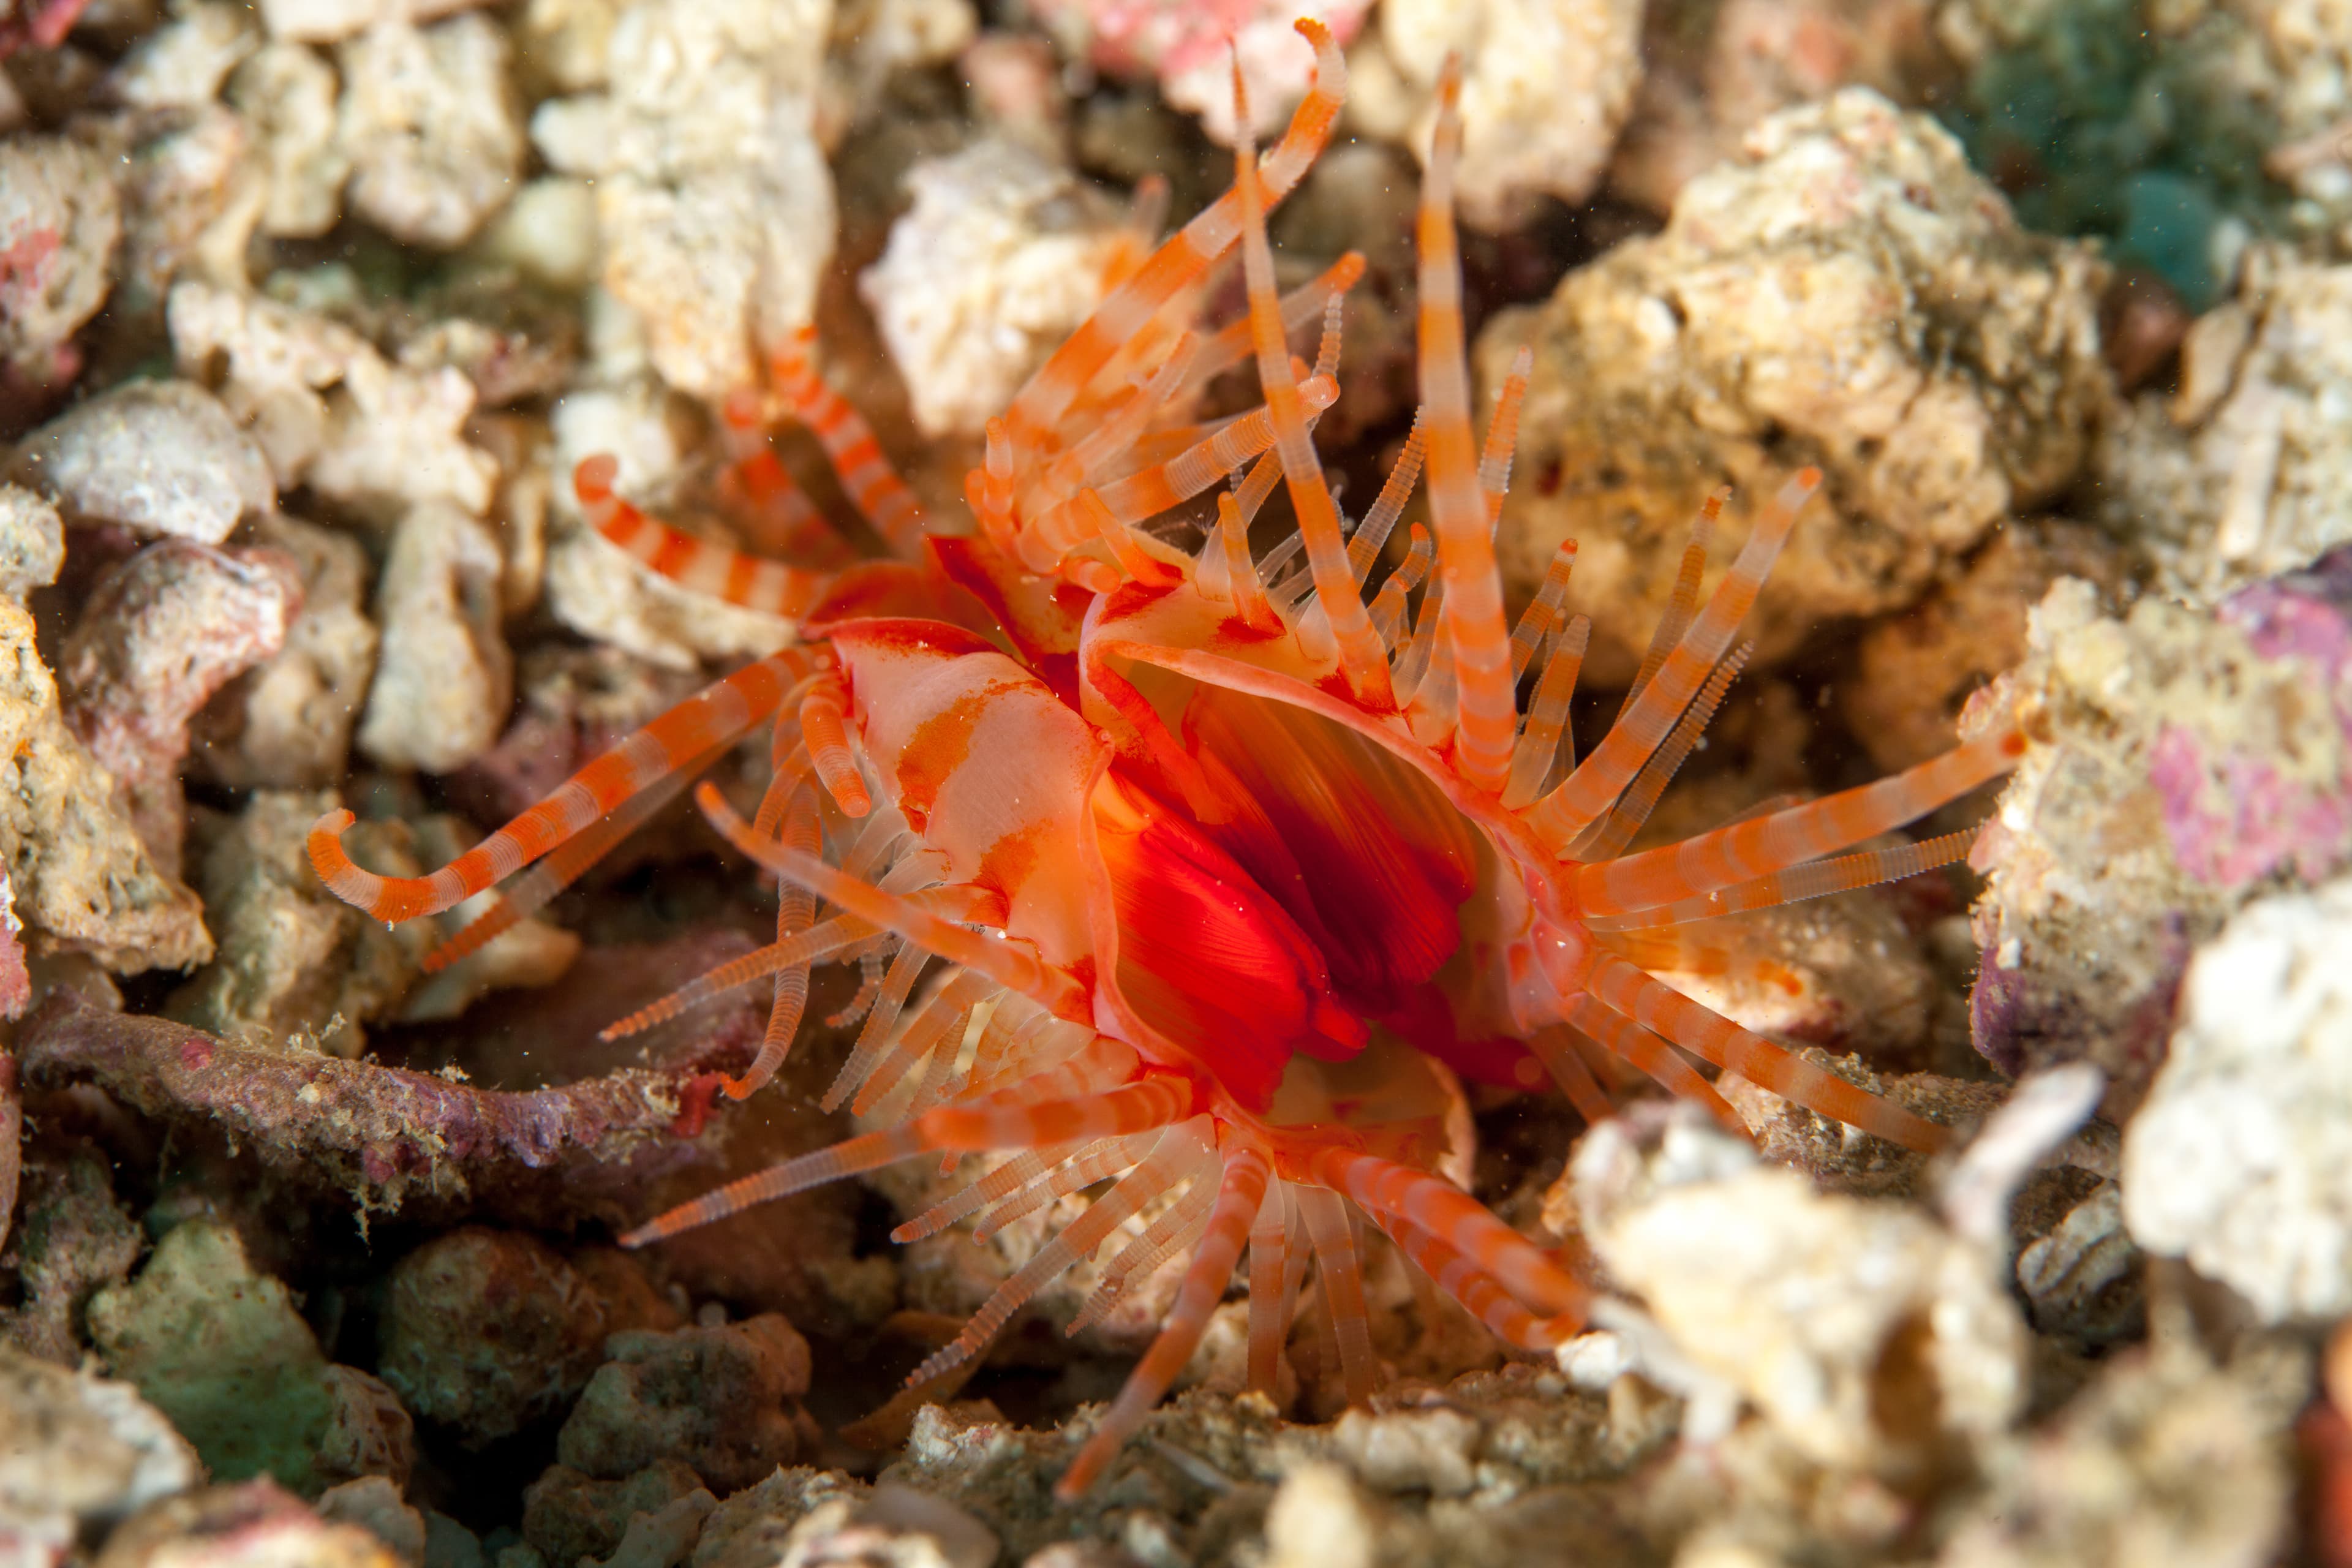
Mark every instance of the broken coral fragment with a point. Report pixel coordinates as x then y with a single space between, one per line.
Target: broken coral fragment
1849 293
712 196
330 410
2241 1158
84 881
159 634
293 959
156 458
1864 1331
287 723
384 1134
430 125
2237 475
443 678
2177 759
1545 85
999 257
60 217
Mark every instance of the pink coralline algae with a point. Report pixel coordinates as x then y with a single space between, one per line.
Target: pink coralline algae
2235 818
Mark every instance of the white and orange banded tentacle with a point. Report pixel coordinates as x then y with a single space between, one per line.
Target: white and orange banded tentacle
1240 1190
1488 708
1363 663
689 733
880 496
1181 260
726 574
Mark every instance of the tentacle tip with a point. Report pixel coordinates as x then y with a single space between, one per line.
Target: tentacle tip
591 481
631 1240
1313 31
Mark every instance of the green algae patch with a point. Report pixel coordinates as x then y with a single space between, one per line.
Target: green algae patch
220 1349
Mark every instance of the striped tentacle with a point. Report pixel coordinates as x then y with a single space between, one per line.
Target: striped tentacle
1177 1228
939 1026
1537 620
1177 1153
1786 840
1388 612
1656 1005
1536 756
1232 344
1010 961
1649 719
1340 1266
1457 1274
1095 1094
1240 1190
532 891
1273 1284
1606 839
1372 534
1383 1186
1186 255
1681 603
707 568
1503 438
1363 663
1488 716
1557 1051
875 488
1629 1042
906 966
1015 1173
1814 879
778 514
795 912
1096 1162
690 733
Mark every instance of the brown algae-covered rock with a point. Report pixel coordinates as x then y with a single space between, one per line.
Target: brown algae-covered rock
1849 293
716 1399
486 1331
567 1515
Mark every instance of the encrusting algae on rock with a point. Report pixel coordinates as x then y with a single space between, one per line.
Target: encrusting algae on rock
1263 1072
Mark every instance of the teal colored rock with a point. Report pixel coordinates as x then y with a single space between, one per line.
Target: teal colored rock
221 1350
2095 124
